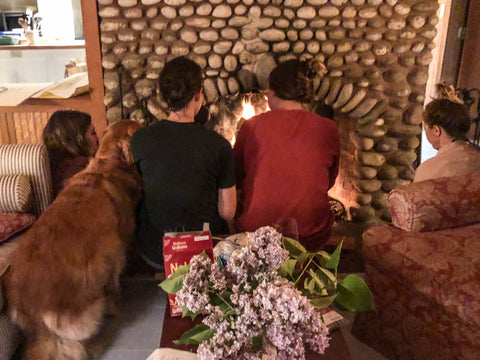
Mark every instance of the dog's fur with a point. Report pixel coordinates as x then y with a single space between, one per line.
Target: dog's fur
65 274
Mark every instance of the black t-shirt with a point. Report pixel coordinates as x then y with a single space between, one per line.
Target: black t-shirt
183 166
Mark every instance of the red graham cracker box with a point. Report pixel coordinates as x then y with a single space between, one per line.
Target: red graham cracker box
178 249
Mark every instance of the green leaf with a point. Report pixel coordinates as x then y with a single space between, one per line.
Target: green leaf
196 335
174 282
309 285
257 342
287 268
190 314
334 258
220 263
328 274
354 294
216 299
222 301
316 278
230 312
296 250
323 254
321 302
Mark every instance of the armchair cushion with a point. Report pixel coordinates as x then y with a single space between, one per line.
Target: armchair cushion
12 223
30 160
436 204
16 191
442 266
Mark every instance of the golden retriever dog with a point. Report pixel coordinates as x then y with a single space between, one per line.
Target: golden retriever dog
65 274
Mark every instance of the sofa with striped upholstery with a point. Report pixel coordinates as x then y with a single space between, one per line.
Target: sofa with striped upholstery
25 192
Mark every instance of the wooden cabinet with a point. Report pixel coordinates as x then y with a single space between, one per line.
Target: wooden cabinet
24 123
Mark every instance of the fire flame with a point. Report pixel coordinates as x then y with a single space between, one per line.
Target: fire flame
248 112
248 109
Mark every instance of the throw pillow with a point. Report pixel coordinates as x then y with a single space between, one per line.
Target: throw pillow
12 223
16 193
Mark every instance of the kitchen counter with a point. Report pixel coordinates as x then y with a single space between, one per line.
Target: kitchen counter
34 64
15 94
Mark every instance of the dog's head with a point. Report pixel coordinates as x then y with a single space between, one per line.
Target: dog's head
115 143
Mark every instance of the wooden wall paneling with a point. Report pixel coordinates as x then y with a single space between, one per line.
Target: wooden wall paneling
29 126
7 129
22 127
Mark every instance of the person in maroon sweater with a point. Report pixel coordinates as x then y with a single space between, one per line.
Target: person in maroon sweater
286 160
71 141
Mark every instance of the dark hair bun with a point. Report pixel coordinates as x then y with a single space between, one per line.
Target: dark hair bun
177 92
293 79
315 68
180 80
178 89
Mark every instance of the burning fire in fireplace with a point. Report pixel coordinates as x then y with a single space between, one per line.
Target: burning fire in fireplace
228 114
248 109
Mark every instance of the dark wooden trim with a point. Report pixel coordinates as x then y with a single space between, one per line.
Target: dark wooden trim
454 44
469 74
91 33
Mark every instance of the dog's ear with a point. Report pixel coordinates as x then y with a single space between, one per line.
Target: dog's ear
125 153
115 144
125 150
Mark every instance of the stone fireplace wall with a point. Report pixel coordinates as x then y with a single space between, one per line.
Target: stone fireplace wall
377 53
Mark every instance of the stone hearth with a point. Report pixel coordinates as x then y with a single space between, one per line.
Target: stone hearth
377 54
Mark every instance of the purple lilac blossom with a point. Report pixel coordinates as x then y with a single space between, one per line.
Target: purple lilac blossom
263 303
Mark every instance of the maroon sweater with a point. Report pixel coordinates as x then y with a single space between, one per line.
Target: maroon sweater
286 160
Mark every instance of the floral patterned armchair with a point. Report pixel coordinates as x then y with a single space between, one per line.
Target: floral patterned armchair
424 272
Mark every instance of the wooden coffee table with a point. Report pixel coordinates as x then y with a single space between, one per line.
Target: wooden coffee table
173 328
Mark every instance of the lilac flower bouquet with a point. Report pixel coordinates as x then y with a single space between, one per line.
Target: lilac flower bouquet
252 312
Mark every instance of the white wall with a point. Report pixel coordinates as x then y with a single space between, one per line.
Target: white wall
58 20
35 65
427 150
435 69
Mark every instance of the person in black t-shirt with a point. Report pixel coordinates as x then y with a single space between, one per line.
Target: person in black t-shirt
188 170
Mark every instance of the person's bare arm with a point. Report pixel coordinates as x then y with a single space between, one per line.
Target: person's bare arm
333 173
227 202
